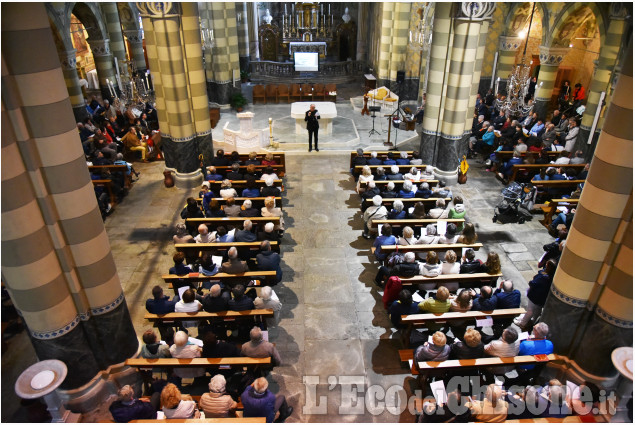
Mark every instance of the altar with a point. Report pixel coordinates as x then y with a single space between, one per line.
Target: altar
327 112
307 46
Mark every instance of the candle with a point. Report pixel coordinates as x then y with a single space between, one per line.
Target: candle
285 8
147 81
117 66
330 10
322 9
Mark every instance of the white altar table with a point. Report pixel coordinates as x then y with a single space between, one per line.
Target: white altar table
327 112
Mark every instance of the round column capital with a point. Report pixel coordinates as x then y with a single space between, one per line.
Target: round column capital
508 43
552 56
134 36
68 59
100 47
475 10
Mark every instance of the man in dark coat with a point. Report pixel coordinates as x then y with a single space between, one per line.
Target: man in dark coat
312 125
269 260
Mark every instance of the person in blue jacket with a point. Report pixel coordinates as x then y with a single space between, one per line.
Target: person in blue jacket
537 294
259 402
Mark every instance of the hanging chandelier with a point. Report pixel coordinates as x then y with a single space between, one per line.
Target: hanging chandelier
421 37
135 88
516 103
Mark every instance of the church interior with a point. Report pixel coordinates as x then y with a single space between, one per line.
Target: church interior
178 247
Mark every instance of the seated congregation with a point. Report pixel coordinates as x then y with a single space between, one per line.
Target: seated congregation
449 305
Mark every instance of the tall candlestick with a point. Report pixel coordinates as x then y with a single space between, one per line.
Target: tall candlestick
329 8
285 8
117 66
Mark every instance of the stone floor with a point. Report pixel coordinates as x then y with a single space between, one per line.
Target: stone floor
333 329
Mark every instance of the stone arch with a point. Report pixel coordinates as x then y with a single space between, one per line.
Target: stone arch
519 13
128 14
574 14
90 16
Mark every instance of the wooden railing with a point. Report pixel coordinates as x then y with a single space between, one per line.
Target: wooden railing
334 71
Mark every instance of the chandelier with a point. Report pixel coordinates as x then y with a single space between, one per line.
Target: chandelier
516 103
135 89
207 39
421 37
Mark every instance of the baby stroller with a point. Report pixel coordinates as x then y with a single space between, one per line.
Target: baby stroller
518 200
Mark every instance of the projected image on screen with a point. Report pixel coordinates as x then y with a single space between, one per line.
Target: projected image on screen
305 61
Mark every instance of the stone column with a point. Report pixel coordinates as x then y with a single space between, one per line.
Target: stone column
592 287
507 48
135 38
362 30
550 59
224 64
435 92
68 60
602 75
56 260
252 22
243 35
117 46
459 85
175 55
104 64
476 79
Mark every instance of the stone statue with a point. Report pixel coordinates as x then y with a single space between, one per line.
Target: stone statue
267 18
346 17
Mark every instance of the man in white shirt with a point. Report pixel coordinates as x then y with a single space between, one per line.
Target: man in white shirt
572 136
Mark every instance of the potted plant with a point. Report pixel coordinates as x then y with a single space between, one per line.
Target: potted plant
238 101
244 76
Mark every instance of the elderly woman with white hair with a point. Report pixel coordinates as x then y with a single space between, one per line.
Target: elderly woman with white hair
217 403
403 158
430 237
182 235
375 212
373 160
269 233
182 349
269 299
248 210
408 237
413 174
439 211
365 177
226 190
269 189
428 173
423 191
390 191
406 190
270 210
394 173
397 212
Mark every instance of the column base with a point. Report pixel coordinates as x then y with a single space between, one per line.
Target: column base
219 93
449 176
447 157
184 156
187 180
427 147
90 396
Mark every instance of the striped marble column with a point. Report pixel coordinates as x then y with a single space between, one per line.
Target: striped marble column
399 42
550 59
113 25
104 64
595 270
174 51
68 60
602 77
507 48
385 43
476 79
243 35
225 63
56 259
135 38
435 97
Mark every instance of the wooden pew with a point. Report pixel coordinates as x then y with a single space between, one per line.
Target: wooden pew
115 169
403 169
556 184
225 316
219 362
456 247
108 185
465 280
429 203
278 169
422 368
279 157
535 168
258 202
231 222
414 222
223 246
551 207
236 184
420 320
381 184
507 155
265 277
380 155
